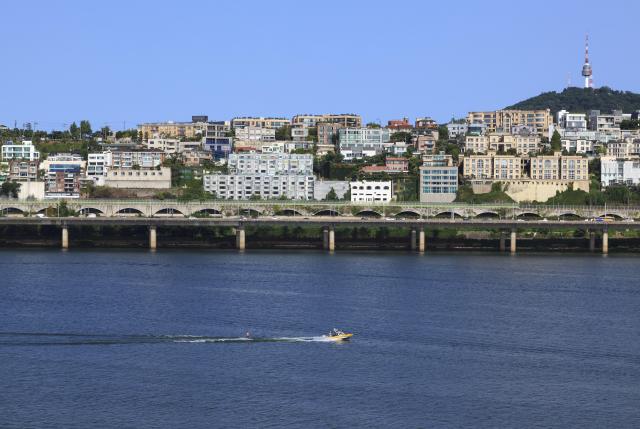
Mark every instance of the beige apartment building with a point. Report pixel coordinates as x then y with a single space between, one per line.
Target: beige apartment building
492 166
180 130
343 119
502 142
557 167
260 122
506 120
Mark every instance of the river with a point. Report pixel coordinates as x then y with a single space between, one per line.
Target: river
121 338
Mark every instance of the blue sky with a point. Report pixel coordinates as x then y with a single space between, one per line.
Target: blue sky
116 62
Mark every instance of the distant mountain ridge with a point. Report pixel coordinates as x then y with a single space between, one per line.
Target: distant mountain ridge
581 100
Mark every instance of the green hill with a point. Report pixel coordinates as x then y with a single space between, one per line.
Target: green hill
581 100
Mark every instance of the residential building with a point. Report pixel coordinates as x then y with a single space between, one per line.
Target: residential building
393 165
438 179
507 167
624 149
358 142
220 147
166 145
397 125
260 185
605 123
371 191
270 163
251 133
23 150
427 123
457 129
581 146
259 122
343 119
322 187
503 142
615 171
557 167
571 121
504 120
144 158
286 146
23 171
425 143
194 158
96 165
492 166
327 137
299 133
143 178
62 181
180 130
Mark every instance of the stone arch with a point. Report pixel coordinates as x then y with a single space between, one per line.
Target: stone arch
250 212
90 210
12 211
327 212
616 216
487 215
169 211
206 212
529 215
369 213
129 211
569 216
288 212
448 215
407 214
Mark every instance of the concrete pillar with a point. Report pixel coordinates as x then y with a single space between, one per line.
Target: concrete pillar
325 238
65 237
592 241
605 241
421 241
414 235
240 240
332 239
512 242
503 244
153 242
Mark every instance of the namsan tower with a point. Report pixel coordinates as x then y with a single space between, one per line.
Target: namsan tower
586 68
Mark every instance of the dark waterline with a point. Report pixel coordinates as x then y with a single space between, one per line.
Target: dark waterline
121 338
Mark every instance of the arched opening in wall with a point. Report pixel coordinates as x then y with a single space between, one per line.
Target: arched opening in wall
529 216
369 214
129 212
448 215
488 215
250 212
327 213
407 214
11 211
207 213
612 215
569 216
168 212
288 212
85 211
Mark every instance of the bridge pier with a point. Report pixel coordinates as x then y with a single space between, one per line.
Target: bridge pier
413 239
332 239
592 241
512 241
605 241
153 242
503 242
421 240
65 237
240 238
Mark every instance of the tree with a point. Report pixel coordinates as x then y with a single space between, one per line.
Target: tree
443 132
74 130
556 142
283 133
331 195
373 125
401 136
10 189
105 132
85 128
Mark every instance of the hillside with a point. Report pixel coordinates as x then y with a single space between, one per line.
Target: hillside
581 100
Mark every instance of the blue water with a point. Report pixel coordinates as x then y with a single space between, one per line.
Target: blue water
119 339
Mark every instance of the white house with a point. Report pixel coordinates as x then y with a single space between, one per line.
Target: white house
371 191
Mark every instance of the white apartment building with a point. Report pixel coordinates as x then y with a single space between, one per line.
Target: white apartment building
145 158
371 191
25 150
356 143
581 146
96 165
623 149
619 171
264 186
571 121
457 129
252 134
165 145
270 163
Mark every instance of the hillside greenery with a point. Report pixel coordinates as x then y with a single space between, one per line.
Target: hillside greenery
581 100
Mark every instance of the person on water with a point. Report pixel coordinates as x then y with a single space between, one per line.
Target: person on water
247 335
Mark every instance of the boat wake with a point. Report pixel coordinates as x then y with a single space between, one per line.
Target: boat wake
78 339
